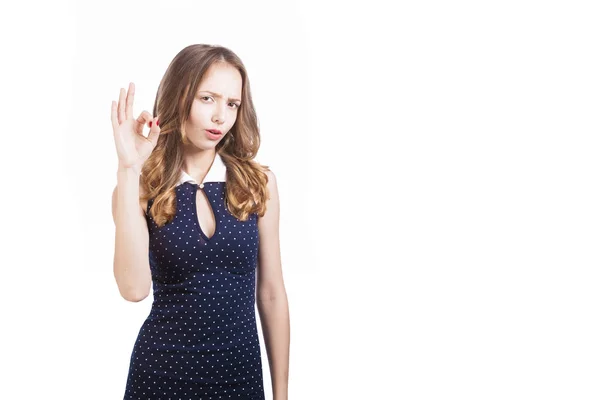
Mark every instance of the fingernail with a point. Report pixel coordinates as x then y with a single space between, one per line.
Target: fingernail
150 124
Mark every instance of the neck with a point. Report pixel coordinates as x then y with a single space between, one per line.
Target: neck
198 163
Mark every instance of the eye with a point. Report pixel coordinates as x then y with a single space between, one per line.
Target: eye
209 97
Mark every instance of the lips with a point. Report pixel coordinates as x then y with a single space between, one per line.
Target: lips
213 136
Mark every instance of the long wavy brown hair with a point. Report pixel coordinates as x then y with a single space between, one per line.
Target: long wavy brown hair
246 179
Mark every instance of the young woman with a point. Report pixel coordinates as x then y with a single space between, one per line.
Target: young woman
197 219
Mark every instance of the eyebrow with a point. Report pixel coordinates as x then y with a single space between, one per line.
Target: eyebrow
219 95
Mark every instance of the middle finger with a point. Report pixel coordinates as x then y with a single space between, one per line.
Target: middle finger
129 102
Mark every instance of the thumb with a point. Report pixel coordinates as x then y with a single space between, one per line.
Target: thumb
154 131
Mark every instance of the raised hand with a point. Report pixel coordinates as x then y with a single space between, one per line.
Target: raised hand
133 148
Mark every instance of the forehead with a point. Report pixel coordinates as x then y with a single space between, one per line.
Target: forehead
223 79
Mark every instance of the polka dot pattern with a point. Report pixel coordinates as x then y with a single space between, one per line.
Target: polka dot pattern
200 340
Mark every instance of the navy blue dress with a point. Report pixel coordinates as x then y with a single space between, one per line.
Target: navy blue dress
200 339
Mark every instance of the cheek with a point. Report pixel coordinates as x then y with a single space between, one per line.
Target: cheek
198 114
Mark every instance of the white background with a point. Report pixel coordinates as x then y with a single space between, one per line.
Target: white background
438 174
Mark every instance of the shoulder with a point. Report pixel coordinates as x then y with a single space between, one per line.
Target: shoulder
270 175
268 222
267 171
272 190
271 181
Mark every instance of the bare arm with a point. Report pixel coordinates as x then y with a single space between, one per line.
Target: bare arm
271 295
131 265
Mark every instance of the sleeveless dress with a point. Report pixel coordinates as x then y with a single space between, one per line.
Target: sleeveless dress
200 339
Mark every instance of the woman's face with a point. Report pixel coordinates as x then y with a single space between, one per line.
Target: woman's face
215 106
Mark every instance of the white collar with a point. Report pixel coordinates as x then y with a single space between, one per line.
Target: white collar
216 173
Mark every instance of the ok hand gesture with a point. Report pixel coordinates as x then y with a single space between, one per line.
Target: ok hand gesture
133 148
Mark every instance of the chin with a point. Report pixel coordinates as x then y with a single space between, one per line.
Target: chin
205 144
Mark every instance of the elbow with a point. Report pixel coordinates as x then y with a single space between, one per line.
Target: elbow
270 296
133 291
134 294
134 297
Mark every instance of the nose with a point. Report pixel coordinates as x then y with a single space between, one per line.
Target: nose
218 117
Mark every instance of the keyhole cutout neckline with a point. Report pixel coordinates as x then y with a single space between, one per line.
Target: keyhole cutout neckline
214 221
217 172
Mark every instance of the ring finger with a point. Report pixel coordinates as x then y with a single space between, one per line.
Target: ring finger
121 106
